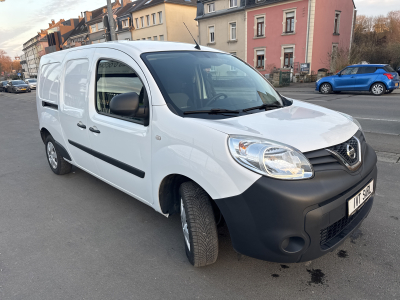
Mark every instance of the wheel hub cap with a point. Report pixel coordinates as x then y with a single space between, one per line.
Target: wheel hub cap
52 155
325 88
185 225
377 89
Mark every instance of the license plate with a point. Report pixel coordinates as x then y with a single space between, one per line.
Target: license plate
397 84
23 89
358 200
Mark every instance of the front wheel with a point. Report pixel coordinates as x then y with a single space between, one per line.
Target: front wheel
325 88
56 162
198 225
378 89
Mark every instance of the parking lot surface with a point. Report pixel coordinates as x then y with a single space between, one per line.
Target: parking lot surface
75 237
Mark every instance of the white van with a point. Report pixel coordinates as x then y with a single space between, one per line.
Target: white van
203 134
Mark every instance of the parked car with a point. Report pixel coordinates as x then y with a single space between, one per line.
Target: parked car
18 86
292 180
378 79
31 83
3 85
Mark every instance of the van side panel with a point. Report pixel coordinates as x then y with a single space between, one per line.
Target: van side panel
48 97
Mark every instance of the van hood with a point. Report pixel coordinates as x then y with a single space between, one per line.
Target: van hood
302 125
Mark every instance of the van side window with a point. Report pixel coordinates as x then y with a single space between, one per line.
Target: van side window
114 78
76 85
50 82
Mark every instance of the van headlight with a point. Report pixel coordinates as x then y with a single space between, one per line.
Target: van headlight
269 158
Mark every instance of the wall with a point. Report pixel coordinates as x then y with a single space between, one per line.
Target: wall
175 16
221 25
274 37
152 30
324 27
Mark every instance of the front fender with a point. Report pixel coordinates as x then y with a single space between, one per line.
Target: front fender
198 152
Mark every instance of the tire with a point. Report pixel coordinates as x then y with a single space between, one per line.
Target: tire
199 228
378 89
325 88
56 162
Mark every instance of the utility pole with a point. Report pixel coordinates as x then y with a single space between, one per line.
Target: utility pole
111 20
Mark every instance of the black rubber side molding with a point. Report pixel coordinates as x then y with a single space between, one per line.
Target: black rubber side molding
49 105
109 160
64 153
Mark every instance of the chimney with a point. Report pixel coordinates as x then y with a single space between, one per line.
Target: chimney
125 2
88 15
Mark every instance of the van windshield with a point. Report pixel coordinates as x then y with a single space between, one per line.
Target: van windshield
193 81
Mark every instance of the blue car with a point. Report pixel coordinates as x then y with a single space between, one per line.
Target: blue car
377 79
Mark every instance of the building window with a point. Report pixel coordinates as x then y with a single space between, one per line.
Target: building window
93 28
161 37
337 23
232 68
125 23
232 3
160 17
289 22
211 34
148 20
288 58
260 26
149 38
127 39
155 38
143 39
232 31
153 16
100 26
142 21
137 22
211 7
260 59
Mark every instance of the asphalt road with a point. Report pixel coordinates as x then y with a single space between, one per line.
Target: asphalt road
75 237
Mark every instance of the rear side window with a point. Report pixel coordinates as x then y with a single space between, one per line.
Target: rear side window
389 69
49 88
76 86
115 78
366 70
350 71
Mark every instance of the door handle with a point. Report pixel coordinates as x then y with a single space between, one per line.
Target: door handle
81 125
94 129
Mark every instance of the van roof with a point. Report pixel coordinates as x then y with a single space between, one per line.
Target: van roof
134 47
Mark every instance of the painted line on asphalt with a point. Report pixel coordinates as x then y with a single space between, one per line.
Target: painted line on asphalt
387 120
386 133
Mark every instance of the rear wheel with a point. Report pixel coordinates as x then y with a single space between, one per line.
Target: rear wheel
325 88
56 162
378 89
198 225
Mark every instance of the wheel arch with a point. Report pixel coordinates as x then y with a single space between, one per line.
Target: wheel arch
378 82
44 133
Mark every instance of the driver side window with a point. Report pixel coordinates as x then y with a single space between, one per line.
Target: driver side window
115 78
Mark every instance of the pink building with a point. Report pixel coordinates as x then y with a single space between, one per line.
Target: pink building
283 33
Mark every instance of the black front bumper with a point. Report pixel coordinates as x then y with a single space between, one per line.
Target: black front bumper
274 213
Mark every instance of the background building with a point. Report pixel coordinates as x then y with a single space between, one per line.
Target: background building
222 25
159 20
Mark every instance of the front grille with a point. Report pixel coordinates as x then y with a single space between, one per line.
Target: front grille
342 149
333 230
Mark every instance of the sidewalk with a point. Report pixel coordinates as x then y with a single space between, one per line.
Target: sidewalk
298 87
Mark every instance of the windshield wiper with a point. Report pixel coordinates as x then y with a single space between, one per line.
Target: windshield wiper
264 106
211 111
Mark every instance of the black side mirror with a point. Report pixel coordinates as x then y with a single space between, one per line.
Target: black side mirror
339 74
125 104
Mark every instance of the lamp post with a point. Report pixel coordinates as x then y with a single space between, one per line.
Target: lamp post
111 20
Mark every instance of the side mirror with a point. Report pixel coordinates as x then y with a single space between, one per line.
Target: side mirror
339 74
125 104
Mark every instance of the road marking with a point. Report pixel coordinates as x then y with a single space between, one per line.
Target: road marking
395 134
376 119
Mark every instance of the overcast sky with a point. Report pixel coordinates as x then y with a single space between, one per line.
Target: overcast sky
20 20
